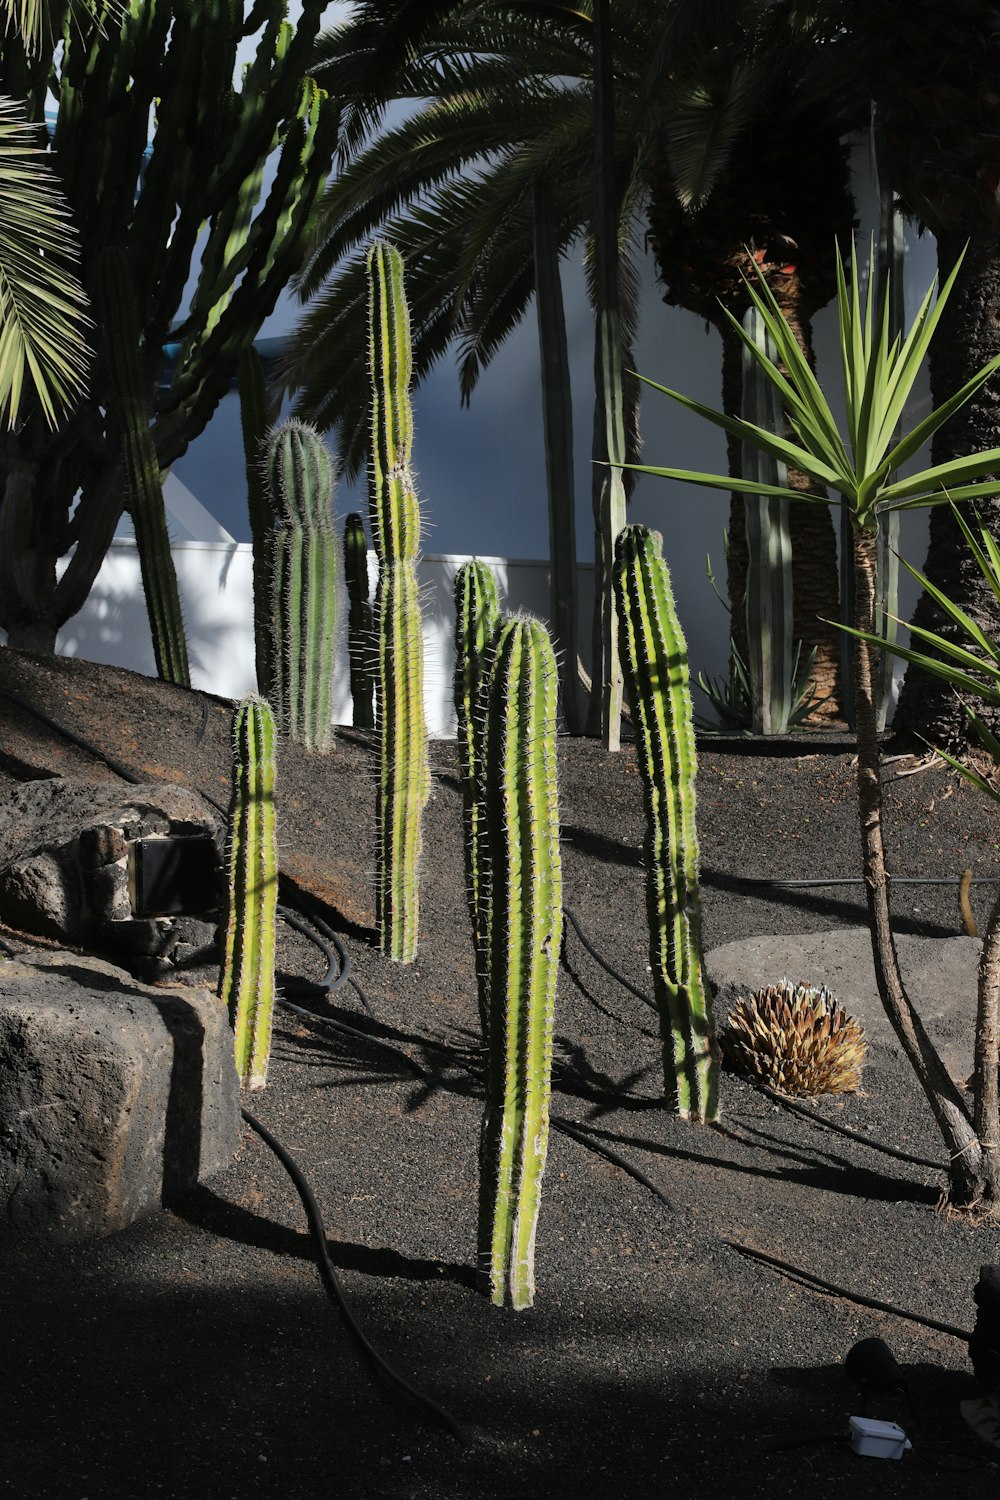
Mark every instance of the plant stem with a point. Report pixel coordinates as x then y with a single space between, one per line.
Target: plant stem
964 1149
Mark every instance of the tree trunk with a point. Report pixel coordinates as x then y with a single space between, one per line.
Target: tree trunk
967 1164
966 338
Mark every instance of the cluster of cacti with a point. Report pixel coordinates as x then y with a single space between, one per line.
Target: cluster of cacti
129 411
181 188
300 548
404 779
477 615
520 919
360 642
797 1038
770 646
246 978
654 656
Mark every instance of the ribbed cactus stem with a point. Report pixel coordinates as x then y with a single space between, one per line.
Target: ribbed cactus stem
522 912
302 574
404 779
141 469
770 643
404 782
477 615
656 670
359 621
246 980
254 426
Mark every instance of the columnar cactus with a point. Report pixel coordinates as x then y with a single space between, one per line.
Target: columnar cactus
477 615
521 905
359 621
656 669
130 413
770 643
302 574
404 781
246 979
254 425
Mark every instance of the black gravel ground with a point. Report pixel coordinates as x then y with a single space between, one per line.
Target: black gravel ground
197 1355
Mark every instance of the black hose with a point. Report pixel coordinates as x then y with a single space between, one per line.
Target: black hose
332 1282
338 963
619 978
818 1283
852 1135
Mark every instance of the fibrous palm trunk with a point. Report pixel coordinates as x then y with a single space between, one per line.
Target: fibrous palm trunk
967 338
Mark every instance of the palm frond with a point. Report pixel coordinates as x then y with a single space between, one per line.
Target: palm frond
706 112
43 325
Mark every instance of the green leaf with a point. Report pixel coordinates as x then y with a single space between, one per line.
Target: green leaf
42 320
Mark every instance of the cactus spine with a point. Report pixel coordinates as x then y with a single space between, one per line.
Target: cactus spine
359 621
404 780
246 981
477 615
521 903
302 573
655 658
771 648
143 484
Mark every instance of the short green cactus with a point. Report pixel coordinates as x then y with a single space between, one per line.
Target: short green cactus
521 901
404 782
477 615
359 621
656 671
246 979
302 575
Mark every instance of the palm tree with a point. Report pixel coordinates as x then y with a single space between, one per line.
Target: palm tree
43 323
932 72
752 176
510 107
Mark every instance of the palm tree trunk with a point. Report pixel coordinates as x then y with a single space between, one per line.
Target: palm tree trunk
966 339
969 1170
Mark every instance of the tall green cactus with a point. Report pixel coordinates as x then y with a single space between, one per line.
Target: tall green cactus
404 780
656 669
254 425
521 901
141 470
477 615
770 643
359 621
246 979
302 575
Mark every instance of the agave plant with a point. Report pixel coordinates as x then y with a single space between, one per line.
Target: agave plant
797 1038
859 467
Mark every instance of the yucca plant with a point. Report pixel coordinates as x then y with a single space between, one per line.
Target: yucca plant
859 467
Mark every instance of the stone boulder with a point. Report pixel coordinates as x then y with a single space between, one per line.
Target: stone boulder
115 1098
64 868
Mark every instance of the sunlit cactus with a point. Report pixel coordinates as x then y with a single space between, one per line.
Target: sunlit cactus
246 979
654 657
404 779
521 916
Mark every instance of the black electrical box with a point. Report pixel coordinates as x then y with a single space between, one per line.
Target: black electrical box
172 876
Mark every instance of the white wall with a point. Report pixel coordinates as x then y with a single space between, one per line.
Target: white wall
216 586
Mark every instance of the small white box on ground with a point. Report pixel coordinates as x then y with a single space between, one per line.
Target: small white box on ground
878 1439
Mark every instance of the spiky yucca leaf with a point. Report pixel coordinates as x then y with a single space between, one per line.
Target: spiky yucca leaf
43 325
797 1038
